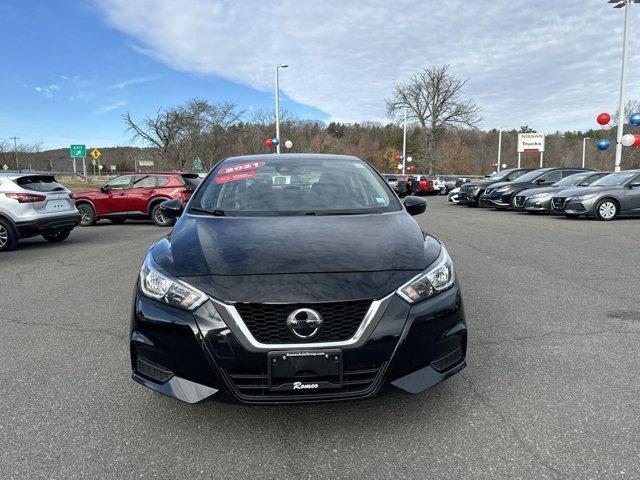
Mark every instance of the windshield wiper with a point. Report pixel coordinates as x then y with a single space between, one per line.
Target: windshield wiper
216 212
338 212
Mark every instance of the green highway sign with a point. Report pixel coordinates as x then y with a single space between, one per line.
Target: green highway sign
78 151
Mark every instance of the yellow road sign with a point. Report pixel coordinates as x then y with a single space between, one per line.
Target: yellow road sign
95 153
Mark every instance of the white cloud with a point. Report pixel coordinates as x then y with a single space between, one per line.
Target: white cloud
111 107
134 81
47 90
549 64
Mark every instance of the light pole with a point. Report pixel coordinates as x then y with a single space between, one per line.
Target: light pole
625 40
584 151
500 146
278 67
15 151
404 141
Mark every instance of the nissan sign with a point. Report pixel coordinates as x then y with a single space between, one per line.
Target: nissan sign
530 142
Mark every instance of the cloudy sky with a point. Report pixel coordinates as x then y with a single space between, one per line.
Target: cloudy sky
80 64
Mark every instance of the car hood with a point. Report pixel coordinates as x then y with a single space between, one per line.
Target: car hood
479 183
577 191
297 259
534 191
202 245
87 193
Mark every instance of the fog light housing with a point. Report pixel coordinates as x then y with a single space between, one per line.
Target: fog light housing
152 370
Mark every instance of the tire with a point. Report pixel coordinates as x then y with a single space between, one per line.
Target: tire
8 236
56 237
512 202
87 215
118 221
606 210
158 218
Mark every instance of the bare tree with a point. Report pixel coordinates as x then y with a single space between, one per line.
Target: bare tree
434 99
185 132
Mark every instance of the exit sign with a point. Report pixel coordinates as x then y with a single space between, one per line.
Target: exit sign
78 151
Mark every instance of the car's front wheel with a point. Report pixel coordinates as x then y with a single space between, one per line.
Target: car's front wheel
606 210
158 217
8 236
87 215
56 237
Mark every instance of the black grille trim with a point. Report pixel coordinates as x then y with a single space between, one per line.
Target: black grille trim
267 322
253 385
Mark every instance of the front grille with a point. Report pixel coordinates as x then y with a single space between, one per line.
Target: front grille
267 322
152 370
519 201
357 379
557 203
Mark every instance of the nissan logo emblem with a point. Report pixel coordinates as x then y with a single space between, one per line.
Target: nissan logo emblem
304 323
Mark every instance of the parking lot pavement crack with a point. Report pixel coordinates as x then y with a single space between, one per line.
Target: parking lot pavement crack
514 432
70 328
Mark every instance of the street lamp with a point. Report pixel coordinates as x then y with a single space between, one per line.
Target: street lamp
404 140
278 67
500 145
584 150
625 40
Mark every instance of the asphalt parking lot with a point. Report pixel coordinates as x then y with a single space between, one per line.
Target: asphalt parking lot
551 390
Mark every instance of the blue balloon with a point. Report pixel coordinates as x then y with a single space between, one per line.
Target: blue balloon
635 119
603 144
276 141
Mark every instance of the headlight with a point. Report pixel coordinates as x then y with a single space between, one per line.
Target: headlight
580 198
540 196
504 189
433 280
164 288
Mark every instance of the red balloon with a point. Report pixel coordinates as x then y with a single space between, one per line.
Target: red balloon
637 142
268 143
603 119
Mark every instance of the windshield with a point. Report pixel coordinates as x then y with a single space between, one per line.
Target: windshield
504 174
615 179
293 186
40 183
530 176
571 180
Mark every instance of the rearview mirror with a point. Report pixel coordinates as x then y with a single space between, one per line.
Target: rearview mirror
104 189
172 208
415 205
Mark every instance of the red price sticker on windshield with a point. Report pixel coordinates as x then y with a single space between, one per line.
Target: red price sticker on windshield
242 167
234 177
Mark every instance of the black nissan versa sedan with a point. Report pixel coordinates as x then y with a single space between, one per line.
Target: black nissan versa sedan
502 195
471 193
295 278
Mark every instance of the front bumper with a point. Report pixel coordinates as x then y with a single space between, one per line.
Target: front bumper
567 206
468 198
537 205
497 200
49 224
196 354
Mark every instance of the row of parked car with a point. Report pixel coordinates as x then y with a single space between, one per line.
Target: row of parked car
572 192
422 185
34 204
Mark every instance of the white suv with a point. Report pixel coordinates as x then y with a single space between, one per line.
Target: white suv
34 204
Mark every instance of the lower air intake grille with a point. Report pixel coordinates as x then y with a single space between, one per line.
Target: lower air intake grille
254 384
267 322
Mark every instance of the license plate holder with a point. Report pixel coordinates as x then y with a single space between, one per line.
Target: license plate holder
305 370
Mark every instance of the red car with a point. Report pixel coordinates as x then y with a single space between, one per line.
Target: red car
135 196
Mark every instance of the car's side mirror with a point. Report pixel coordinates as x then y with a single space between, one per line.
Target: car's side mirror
540 181
415 205
634 185
172 208
104 189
